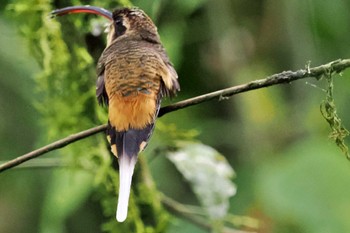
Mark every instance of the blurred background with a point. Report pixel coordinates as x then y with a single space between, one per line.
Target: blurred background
289 174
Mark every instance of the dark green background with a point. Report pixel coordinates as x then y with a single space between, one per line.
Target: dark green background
289 174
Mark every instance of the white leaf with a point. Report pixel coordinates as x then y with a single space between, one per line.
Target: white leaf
209 174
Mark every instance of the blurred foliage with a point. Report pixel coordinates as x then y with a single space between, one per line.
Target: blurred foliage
289 177
316 202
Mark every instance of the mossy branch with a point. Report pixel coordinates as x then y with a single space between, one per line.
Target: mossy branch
329 112
284 77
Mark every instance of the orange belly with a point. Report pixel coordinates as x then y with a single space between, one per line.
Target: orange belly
133 111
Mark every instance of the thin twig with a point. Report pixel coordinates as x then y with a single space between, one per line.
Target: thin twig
284 77
182 211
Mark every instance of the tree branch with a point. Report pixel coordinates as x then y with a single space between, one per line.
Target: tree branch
284 77
281 78
53 146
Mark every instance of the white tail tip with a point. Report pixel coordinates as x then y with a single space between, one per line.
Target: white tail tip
121 214
126 170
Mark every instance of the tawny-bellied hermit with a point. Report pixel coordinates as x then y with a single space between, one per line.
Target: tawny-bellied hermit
134 73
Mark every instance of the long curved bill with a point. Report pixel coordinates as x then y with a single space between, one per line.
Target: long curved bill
83 9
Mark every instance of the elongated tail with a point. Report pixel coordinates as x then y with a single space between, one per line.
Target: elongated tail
126 145
126 170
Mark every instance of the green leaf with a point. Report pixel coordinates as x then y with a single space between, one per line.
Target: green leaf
209 174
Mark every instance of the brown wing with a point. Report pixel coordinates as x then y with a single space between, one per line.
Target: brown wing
170 80
101 93
171 84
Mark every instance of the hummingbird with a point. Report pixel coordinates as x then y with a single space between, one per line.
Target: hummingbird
134 73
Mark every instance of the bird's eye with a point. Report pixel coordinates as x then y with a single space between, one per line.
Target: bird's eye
119 27
119 20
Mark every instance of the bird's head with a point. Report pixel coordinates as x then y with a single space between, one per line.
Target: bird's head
131 22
